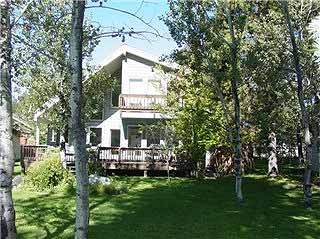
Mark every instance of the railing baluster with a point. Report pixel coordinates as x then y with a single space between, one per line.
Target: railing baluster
148 102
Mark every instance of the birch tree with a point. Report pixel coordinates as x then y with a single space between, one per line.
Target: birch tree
77 125
211 32
7 212
235 77
303 110
272 160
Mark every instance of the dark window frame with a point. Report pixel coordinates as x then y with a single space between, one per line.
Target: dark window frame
117 144
97 138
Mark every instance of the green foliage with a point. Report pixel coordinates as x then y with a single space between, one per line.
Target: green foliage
41 57
114 188
95 168
47 175
267 86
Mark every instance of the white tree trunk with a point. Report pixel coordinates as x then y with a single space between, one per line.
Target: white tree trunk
304 113
78 135
7 212
234 81
272 160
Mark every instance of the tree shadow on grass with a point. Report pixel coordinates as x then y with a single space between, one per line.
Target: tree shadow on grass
183 208
49 215
207 209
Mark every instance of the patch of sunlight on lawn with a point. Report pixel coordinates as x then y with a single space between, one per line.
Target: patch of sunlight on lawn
301 218
179 209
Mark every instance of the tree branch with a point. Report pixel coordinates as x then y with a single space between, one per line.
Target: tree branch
132 32
41 51
128 13
22 12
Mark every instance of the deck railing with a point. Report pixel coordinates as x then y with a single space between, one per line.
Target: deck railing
32 153
130 154
140 102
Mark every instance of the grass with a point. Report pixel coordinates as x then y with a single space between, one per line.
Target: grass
17 169
183 208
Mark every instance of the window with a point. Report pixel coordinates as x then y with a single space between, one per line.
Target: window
153 138
115 138
134 136
95 136
136 86
115 92
154 87
116 89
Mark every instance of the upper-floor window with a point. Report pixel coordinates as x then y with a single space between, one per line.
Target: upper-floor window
116 89
136 86
115 92
154 87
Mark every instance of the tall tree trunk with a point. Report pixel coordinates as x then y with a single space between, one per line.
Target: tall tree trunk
226 113
7 212
272 160
234 81
303 109
299 145
77 126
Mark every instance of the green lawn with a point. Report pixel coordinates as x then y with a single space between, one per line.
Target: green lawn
185 208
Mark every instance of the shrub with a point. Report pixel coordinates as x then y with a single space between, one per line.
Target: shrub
48 174
114 188
95 168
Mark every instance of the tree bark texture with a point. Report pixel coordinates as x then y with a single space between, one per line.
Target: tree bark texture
77 126
299 145
303 110
235 75
7 212
272 160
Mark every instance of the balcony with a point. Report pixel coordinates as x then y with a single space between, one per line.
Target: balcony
141 102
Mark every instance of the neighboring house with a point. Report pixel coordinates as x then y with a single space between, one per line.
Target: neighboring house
21 132
140 87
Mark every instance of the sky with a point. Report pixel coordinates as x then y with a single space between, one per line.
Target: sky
149 10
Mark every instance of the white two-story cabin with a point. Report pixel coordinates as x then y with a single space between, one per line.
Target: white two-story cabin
132 102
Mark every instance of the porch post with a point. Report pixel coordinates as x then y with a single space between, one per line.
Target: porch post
37 133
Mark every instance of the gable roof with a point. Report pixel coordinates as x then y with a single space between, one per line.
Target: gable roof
113 62
20 125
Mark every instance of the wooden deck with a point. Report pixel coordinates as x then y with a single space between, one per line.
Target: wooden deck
32 153
113 158
134 159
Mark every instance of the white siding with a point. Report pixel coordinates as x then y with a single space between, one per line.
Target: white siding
132 68
137 68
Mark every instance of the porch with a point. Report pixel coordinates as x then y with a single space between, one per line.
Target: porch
111 158
116 158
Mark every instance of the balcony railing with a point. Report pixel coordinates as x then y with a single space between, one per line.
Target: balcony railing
141 102
130 154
